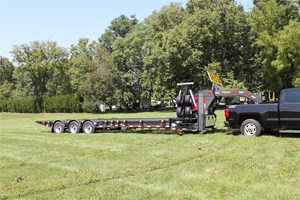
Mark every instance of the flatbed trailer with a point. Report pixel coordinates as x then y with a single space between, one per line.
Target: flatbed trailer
195 113
92 125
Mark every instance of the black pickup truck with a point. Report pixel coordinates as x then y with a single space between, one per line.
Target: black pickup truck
253 119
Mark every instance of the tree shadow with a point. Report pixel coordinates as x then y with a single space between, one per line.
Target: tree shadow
147 131
233 132
161 131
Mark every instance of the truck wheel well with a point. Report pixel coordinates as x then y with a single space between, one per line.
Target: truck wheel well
250 116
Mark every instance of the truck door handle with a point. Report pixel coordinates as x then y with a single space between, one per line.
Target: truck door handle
284 107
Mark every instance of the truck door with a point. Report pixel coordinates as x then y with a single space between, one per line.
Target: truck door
289 108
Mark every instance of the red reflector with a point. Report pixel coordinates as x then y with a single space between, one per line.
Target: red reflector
248 94
226 112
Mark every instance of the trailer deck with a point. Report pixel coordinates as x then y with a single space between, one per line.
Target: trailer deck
116 123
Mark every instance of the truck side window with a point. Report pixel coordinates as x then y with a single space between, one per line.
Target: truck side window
292 96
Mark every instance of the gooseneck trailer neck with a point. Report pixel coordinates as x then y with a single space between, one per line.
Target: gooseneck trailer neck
195 112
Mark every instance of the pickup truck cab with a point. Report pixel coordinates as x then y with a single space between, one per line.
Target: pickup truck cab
253 119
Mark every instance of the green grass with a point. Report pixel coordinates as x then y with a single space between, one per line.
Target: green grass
37 164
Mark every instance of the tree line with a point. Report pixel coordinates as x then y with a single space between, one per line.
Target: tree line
134 62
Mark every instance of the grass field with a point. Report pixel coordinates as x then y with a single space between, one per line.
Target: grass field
37 164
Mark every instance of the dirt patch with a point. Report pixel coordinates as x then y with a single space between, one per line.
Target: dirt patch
19 179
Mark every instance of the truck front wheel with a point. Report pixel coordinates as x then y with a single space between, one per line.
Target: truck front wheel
251 127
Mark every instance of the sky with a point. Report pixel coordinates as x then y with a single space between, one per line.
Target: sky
66 21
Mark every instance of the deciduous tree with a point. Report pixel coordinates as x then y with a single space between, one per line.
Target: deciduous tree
41 70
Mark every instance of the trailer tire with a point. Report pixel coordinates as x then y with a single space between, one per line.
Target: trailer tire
74 127
179 100
188 112
180 112
88 127
251 128
58 127
188 101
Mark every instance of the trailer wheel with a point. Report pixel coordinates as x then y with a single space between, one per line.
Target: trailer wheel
251 127
58 127
88 127
74 127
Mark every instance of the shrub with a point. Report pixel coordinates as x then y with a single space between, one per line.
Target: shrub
62 103
3 105
24 105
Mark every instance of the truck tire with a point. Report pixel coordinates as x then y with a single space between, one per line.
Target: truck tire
88 127
74 127
251 127
58 127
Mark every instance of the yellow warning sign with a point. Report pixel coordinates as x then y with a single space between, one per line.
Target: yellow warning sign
214 78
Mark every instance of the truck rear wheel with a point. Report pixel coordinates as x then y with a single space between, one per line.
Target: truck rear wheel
88 127
251 127
74 127
58 127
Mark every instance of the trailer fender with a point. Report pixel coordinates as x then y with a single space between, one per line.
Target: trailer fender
78 121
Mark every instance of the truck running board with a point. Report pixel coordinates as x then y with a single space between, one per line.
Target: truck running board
289 131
